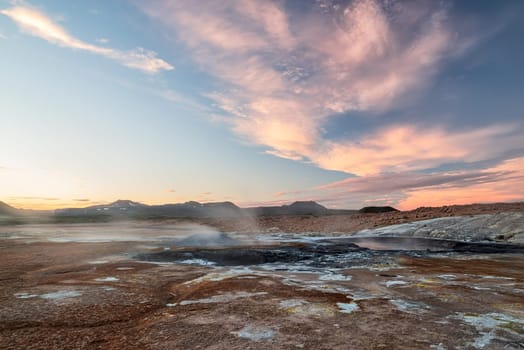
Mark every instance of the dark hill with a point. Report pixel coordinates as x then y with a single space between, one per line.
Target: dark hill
297 208
375 210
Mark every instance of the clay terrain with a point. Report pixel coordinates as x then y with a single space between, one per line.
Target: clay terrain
432 278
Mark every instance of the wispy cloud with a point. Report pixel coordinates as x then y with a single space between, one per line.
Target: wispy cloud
406 148
34 198
183 100
102 41
36 23
284 75
388 183
504 183
408 190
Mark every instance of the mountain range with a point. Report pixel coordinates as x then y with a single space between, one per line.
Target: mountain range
127 209
192 209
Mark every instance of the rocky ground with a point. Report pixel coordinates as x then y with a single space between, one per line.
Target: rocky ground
355 222
503 227
98 287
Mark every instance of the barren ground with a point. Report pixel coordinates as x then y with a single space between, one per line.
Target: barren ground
355 222
88 294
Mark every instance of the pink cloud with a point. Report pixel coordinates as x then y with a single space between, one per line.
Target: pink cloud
283 77
409 190
406 148
510 187
271 18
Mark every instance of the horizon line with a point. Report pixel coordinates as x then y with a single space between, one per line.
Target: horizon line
256 206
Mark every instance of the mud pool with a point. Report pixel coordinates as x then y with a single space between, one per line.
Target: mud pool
168 287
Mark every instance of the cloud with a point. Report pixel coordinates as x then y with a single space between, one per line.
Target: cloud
182 100
81 200
389 183
34 198
506 185
102 40
38 24
284 74
407 148
25 185
408 190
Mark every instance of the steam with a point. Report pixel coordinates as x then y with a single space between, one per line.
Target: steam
206 239
188 234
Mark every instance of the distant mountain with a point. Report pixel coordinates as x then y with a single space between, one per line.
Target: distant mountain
127 209
297 208
136 210
130 209
195 210
119 204
117 208
374 210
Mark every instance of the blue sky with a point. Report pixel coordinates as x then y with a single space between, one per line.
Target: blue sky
349 103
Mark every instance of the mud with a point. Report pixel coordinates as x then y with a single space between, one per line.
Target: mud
334 252
314 293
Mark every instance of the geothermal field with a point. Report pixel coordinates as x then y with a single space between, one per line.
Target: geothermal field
262 174
180 285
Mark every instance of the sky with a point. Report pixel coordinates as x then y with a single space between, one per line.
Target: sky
260 102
